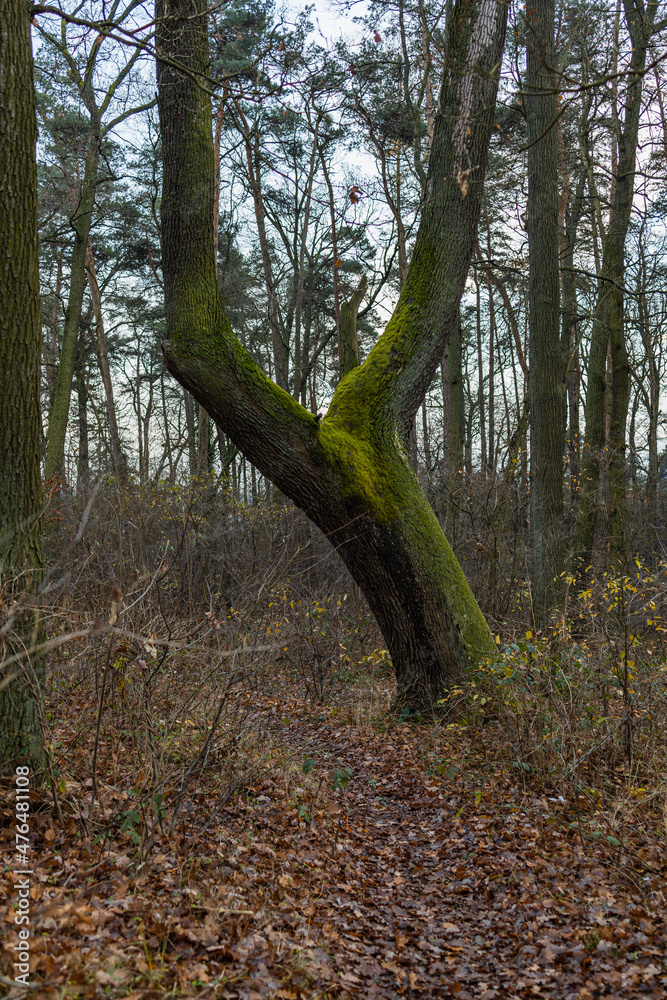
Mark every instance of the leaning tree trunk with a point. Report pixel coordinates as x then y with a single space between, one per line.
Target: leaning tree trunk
21 557
350 471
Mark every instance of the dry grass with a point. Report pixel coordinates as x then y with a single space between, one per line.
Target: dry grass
192 608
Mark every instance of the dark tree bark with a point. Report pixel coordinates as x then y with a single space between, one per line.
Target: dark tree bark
547 389
350 471
21 559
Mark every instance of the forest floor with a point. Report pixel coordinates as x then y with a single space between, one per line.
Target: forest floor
373 861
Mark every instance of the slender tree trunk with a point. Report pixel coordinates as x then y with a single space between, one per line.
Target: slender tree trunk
167 435
334 245
427 442
456 423
190 428
349 471
83 464
492 377
219 115
203 443
349 344
481 399
301 348
253 160
570 219
143 471
608 325
21 555
428 88
446 414
50 352
653 408
146 425
547 399
457 397
100 340
632 443
81 222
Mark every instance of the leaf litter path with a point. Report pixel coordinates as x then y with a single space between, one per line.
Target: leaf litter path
438 889
426 876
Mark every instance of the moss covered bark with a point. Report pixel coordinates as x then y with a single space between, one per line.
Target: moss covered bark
350 471
21 558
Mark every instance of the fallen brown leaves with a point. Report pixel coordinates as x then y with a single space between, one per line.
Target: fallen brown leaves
403 882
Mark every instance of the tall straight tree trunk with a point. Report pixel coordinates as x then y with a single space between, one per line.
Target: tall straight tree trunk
570 217
492 376
100 340
454 396
547 398
50 351
81 221
347 326
253 160
653 408
350 471
21 556
334 243
83 464
167 435
190 431
608 326
480 377
301 345
203 442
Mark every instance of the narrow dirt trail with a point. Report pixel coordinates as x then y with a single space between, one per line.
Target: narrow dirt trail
428 886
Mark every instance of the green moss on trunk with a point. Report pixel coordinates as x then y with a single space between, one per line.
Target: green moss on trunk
350 472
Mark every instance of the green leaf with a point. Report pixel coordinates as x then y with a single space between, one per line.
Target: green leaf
614 841
341 776
308 765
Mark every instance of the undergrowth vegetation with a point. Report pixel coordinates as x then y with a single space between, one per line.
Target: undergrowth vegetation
172 610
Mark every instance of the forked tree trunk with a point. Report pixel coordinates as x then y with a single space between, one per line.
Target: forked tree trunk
21 558
350 471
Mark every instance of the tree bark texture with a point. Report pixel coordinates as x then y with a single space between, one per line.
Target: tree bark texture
547 389
21 558
350 472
